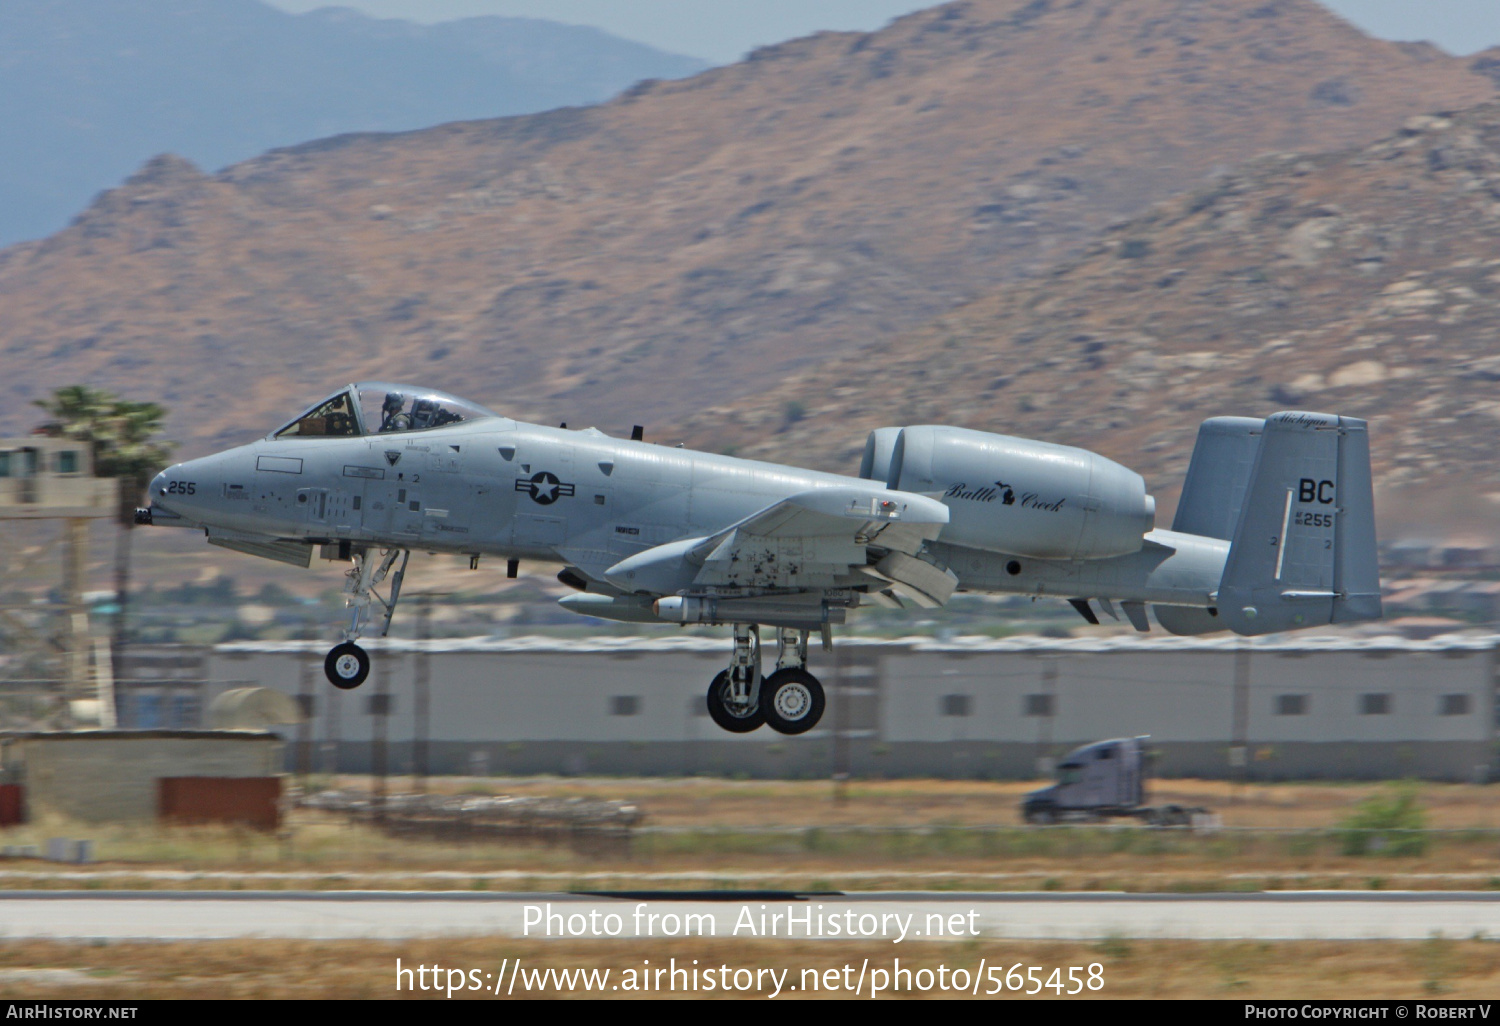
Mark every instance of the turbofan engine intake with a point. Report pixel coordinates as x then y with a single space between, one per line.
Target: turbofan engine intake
1018 496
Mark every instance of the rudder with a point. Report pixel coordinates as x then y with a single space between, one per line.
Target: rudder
1303 551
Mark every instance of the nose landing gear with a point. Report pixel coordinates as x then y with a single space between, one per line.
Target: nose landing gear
790 701
347 665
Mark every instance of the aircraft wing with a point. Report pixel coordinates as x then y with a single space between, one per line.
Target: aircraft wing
901 521
820 538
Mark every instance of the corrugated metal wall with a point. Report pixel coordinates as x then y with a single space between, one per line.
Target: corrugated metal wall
1324 709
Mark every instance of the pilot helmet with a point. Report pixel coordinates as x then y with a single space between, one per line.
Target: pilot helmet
393 402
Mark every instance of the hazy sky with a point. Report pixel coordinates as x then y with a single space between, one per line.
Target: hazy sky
724 30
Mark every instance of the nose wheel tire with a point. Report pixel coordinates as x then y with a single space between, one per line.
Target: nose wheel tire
728 714
346 666
793 701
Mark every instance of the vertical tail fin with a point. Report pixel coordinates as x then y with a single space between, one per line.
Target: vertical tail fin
1303 551
1218 476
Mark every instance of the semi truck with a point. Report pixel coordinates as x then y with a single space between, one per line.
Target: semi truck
1104 780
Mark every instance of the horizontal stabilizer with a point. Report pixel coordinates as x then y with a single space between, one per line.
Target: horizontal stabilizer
1189 621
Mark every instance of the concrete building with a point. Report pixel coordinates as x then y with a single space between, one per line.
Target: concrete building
52 478
97 776
49 644
1270 709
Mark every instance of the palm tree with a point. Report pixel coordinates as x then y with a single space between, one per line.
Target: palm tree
121 435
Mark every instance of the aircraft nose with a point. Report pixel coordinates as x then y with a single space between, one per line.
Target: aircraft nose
165 487
197 487
184 485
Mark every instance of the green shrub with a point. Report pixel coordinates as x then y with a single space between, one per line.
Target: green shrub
1390 823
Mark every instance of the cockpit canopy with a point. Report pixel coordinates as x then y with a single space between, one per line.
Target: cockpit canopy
378 407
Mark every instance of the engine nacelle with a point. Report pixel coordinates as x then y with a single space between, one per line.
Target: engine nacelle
1014 495
875 465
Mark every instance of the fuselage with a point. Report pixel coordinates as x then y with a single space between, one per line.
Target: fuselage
499 487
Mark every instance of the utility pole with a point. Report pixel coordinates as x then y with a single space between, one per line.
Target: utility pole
305 705
331 733
75 548
1239 740
840 728
1044 721
380 708
421 684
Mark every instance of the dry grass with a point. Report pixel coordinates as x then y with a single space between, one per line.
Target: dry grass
711 801
1365 970
723 843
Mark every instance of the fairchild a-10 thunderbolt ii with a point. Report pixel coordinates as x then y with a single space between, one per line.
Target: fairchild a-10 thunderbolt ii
1274 531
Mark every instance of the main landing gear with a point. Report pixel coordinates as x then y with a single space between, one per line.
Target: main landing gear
789 701
347 665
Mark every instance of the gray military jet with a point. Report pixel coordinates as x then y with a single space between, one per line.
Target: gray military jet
1275 529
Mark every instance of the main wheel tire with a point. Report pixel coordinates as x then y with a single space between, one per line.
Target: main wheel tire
793 701
726 715
346 666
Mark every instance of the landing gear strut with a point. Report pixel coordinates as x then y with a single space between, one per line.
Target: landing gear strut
793 698
790 700
347 665
734 695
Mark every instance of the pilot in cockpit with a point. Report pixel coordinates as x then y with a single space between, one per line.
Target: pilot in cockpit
391 417
430 413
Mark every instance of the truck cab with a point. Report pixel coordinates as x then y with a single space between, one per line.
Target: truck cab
1105 778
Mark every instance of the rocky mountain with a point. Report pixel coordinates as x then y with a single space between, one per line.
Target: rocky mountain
692 244
95 87
1365 282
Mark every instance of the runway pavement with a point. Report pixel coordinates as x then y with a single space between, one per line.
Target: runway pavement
898 917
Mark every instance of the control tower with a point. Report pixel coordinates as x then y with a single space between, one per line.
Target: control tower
45 646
